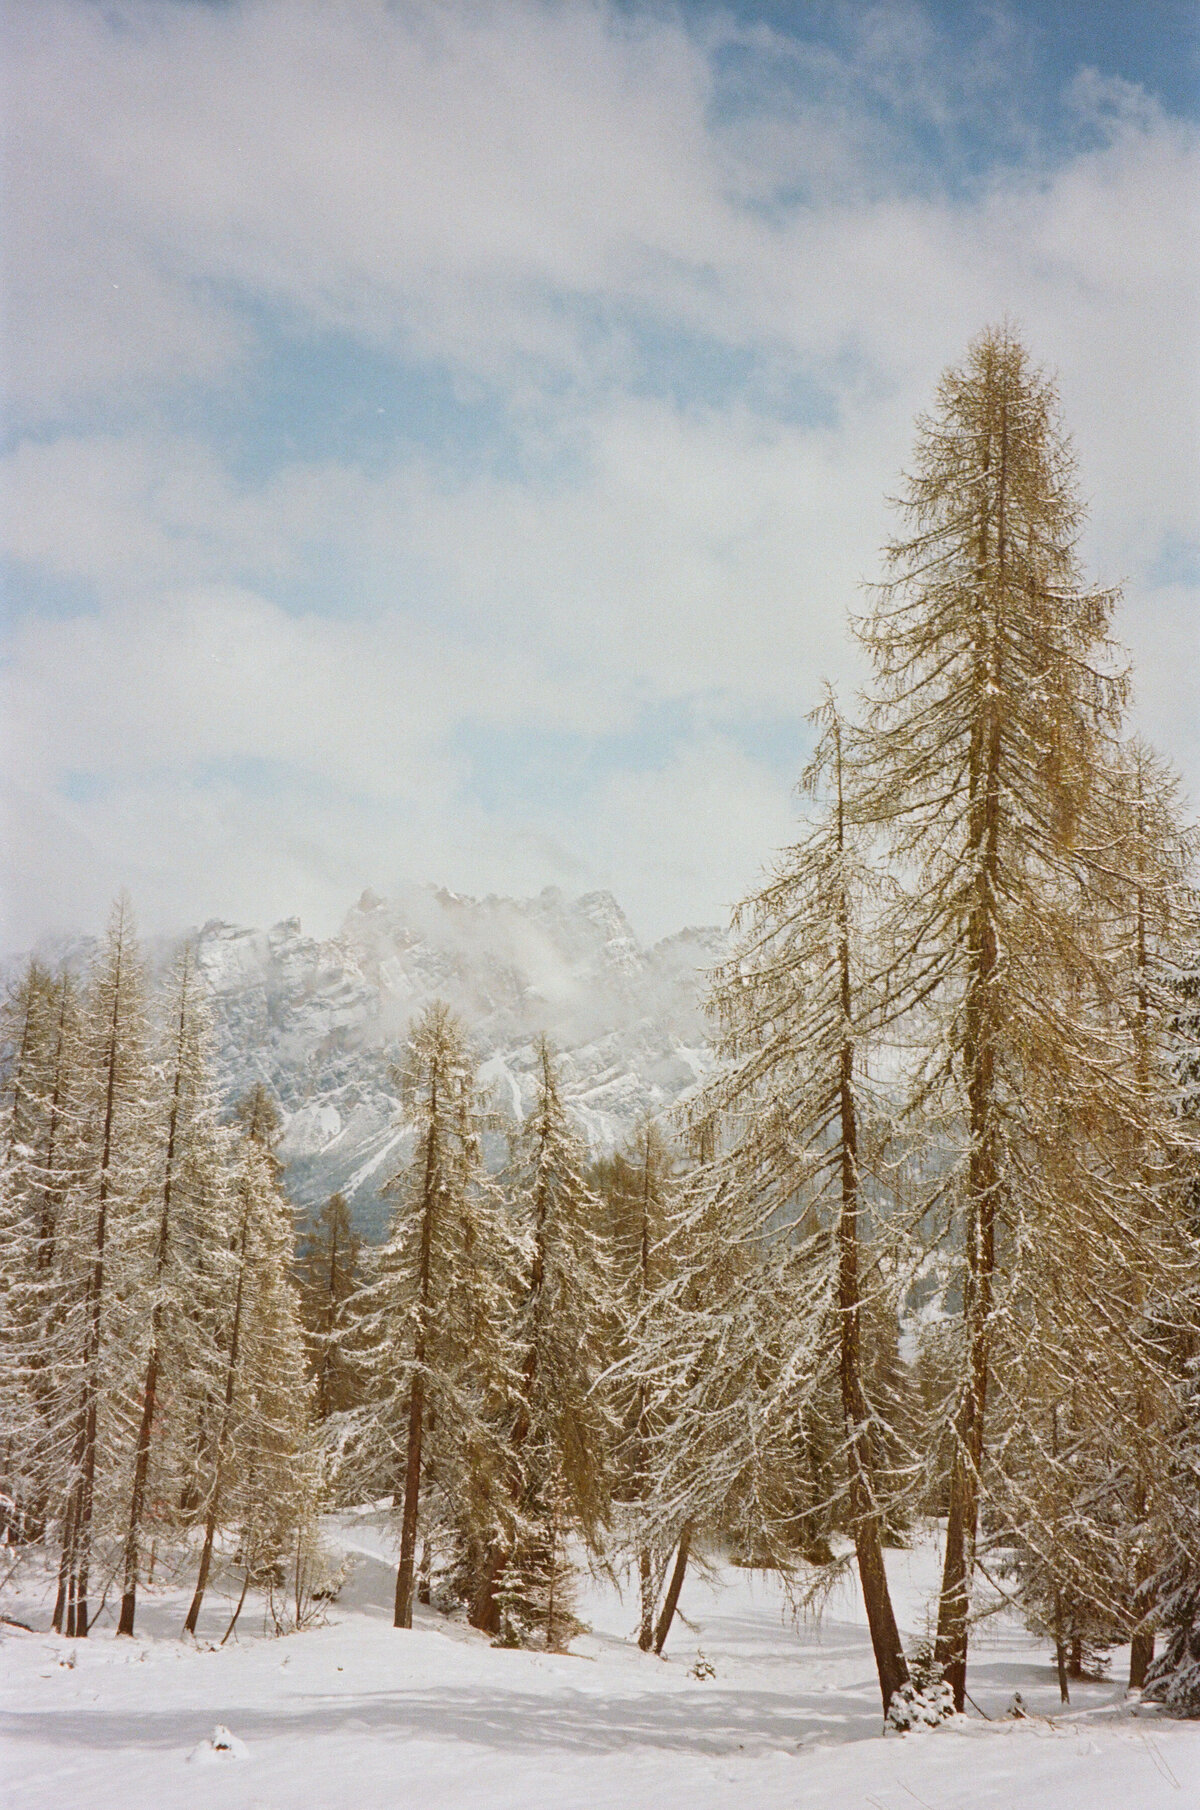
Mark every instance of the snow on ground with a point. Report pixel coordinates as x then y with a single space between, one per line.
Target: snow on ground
357 1716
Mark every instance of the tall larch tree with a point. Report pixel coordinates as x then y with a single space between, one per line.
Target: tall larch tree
561 1432
997 701
427 1333
257 1466
328 1271
790 1119
180 1298
637 1186
101 1245
39 1132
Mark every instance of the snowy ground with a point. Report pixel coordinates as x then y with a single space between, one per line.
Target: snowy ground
356 1716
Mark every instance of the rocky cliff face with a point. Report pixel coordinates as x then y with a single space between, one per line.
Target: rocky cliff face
321 1021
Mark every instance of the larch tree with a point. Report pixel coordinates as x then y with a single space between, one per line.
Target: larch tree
561 1430
101 1246
427 1328
257 1457
637 1186
179 1298
996 708
327 1273
41 1037
790 1120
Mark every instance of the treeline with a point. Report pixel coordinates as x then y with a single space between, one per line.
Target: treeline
152 1372
924 1245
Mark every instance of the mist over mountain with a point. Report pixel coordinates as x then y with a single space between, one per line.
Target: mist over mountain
321 1021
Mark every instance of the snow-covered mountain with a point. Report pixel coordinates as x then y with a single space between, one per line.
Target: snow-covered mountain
321 1021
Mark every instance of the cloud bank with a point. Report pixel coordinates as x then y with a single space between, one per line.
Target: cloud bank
447 438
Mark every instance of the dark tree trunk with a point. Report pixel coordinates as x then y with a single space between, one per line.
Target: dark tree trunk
77 1613
983 1168
214 1500
141 1463
412 1492
865 1520
646 1581
1141 1652
416 1403
671 1600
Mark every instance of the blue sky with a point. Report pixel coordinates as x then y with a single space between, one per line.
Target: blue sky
444 440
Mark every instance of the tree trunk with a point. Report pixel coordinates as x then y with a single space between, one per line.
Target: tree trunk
982 1169
78 1609
671 1600
412 1491
141 1463
1141 1652
646 1580
214 1501
485 1612
865 1520
416 1402
137 1498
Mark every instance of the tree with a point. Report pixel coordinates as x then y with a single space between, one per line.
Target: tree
795 1005
101 1242
560 1433
41 1034
428 1325
255 1427
637 1186
994 723
180 1298
327 1274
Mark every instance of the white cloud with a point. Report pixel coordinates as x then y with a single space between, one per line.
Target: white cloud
515 192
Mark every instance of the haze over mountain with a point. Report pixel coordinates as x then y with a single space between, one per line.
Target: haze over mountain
321 1021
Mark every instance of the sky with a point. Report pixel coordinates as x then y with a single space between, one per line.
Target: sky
443 441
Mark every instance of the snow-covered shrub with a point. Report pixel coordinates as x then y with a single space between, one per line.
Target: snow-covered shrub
926 1700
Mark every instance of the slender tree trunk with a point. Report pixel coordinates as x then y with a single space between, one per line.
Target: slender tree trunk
671 1600
95 1301
485 1612
137 1500
214 1501
416 1403
412 1491
141 1463
330 1316
979 1065
865 1521
646 1580
65 1565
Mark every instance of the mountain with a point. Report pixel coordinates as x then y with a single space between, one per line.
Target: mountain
321 1022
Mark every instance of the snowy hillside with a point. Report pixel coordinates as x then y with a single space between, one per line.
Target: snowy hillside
360 1714
320 1021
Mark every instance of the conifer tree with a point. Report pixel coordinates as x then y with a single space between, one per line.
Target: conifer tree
561 1431
997 708
427 1333
101 1246
795 1004
41 1031
637 1186
180 1297
260 1477
327 1274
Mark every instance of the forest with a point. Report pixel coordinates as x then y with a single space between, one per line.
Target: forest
923 1249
